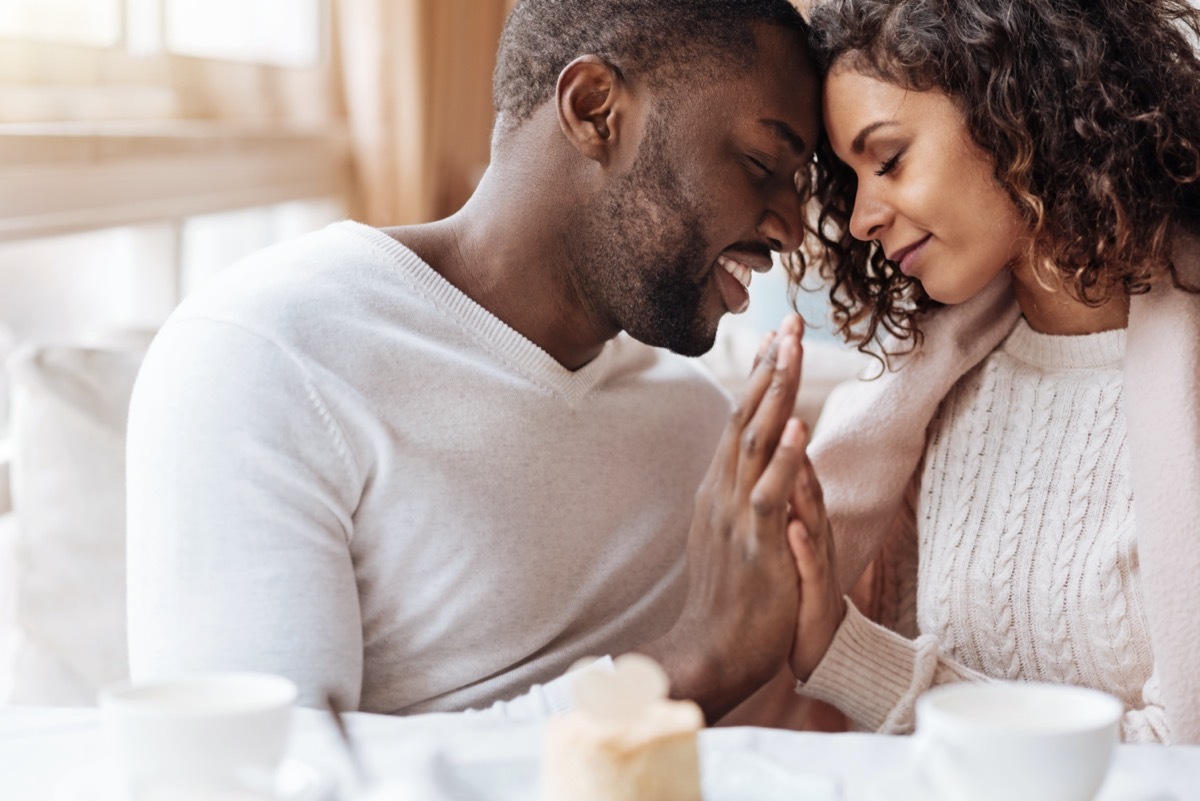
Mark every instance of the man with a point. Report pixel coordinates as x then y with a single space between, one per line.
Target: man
419 467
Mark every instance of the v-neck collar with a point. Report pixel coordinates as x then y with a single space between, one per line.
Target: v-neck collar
512 347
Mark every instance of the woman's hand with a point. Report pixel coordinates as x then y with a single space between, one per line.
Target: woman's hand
822 606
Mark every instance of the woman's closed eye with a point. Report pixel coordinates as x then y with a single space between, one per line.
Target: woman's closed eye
889 165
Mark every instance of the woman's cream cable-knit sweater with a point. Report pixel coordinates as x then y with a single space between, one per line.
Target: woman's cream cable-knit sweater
1046 603
1028 560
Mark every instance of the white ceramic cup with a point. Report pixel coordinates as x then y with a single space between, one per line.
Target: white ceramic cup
1011 741
220 734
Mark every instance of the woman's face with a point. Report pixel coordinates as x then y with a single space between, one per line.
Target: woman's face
926 192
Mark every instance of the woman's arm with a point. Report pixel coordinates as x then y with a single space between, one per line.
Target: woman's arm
875 671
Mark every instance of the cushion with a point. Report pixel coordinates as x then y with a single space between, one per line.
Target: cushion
69 407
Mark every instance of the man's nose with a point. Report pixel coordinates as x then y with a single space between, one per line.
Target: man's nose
782 225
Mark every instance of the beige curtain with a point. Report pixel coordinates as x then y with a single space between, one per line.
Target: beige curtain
416 78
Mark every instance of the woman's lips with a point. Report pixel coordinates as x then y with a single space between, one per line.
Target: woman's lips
907 257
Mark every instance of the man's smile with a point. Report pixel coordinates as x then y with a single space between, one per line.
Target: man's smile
733 279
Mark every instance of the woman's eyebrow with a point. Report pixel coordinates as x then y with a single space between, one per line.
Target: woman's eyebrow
860 141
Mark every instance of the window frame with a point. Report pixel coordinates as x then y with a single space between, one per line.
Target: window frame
99 137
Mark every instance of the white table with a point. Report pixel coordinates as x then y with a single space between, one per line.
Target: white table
39 747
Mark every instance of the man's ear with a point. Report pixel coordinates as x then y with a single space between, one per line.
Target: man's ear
591 97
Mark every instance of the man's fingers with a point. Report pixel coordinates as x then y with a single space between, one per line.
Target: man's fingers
746 405
763 346
769 498
761 433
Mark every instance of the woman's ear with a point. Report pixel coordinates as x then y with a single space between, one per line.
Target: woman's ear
591 95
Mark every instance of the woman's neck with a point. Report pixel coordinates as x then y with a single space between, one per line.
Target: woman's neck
1050 308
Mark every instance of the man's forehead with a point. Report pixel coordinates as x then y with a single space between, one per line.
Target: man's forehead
785 86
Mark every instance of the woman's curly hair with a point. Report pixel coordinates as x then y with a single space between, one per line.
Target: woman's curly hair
1089 108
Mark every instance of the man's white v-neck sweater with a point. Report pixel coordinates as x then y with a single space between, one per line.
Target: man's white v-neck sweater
344 470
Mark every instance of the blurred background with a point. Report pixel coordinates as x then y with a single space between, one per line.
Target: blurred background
146 144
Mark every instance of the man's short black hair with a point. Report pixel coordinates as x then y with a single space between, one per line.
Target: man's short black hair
658 39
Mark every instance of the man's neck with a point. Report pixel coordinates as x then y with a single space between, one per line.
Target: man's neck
505 251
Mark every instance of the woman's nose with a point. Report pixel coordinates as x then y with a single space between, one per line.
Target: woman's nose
869 216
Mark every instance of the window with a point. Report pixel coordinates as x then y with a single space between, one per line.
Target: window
84 22
280 32
147 144
263 60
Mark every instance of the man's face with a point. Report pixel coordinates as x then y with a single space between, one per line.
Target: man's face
668 247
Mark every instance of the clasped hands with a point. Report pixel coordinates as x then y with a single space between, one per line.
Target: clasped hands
762 580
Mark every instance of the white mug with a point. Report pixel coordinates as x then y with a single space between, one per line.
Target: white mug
1016 741
215 734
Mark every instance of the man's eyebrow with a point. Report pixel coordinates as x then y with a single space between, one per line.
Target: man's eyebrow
781 129
860 141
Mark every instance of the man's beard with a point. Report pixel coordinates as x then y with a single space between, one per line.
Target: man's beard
639 258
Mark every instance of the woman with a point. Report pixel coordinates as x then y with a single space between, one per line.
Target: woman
1027 472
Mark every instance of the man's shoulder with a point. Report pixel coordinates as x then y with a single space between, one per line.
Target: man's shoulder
329 304
317 272
321 292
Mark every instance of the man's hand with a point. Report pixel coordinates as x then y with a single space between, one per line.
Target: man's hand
739 618
822 605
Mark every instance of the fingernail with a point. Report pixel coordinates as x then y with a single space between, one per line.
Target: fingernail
787 352
791 432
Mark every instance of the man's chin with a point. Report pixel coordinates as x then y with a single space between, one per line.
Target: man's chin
696 341
694 347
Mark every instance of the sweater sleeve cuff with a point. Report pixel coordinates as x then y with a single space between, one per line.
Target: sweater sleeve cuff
867 671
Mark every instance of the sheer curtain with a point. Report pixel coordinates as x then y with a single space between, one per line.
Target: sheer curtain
416 76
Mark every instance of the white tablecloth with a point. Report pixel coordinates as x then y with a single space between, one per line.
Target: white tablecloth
41 748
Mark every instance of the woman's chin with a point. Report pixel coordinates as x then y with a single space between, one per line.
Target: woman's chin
954 293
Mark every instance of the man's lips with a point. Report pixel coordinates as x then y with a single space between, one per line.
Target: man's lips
908 250
739 266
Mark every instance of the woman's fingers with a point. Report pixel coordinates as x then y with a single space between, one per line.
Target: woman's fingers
801 546
808 503
810 538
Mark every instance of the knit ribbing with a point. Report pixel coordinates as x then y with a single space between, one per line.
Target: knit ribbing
509 345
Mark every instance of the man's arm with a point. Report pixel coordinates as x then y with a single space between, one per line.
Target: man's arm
240 489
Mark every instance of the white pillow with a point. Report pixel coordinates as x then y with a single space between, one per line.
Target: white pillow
69 408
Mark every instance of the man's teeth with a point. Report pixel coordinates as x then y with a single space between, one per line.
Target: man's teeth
738 270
